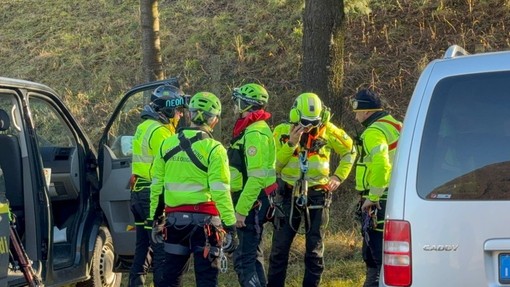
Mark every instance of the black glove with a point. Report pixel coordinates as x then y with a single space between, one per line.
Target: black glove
158 227
230 242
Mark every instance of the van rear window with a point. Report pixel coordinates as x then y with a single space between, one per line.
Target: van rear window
465 148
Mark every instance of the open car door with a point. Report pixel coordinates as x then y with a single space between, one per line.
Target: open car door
114 160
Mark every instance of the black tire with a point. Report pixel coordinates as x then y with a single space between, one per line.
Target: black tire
103 260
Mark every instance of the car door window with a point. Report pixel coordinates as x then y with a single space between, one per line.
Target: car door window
464 152
123 128
50 127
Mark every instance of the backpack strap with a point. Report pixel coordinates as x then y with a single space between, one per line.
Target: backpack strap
185 145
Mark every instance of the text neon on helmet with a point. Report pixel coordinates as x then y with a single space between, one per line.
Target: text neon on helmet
167 98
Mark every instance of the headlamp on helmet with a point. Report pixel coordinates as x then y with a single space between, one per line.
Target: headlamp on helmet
355 104
366 100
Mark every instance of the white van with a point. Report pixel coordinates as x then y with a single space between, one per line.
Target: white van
448 209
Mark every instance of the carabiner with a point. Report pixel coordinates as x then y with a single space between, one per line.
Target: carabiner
301 201
223 262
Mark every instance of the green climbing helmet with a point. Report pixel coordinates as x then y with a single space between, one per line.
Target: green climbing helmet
252 94
205 102
309 106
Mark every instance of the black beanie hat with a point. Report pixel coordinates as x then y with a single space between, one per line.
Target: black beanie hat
366 100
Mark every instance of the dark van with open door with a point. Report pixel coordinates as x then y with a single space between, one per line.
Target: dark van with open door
70 202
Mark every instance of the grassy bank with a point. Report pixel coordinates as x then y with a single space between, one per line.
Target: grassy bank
344 267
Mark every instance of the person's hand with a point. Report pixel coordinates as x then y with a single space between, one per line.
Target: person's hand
230 242
240 220
368 204
157 233
295 134
334 183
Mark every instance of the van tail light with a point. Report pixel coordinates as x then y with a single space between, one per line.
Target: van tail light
397 253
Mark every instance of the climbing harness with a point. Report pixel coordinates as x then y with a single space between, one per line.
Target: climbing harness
300 195
369 222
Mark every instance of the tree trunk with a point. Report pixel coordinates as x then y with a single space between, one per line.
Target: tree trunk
323 36
152 64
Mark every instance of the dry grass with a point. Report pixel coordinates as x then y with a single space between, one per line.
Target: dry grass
344 267
90 51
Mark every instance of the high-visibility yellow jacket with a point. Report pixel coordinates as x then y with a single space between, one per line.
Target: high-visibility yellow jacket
331 138
377 150
149 136
184 183
252 164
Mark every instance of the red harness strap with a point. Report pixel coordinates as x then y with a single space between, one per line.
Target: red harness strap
398 127
204 207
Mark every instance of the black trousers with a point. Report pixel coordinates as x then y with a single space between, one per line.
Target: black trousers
372 248
158 263
182 241
282 241
249 256
143 254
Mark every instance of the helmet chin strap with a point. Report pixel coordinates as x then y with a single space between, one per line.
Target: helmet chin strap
240 108
248 108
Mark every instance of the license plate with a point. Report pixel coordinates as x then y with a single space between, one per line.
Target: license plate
504 268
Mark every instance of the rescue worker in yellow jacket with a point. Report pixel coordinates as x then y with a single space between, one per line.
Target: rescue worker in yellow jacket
377 145
252 167
192 183
161 117
303 149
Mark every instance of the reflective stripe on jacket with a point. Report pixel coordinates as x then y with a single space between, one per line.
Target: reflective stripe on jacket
148 138
334 138
183 183
379 143
253 151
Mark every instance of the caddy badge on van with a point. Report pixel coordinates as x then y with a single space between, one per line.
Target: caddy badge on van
440 247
